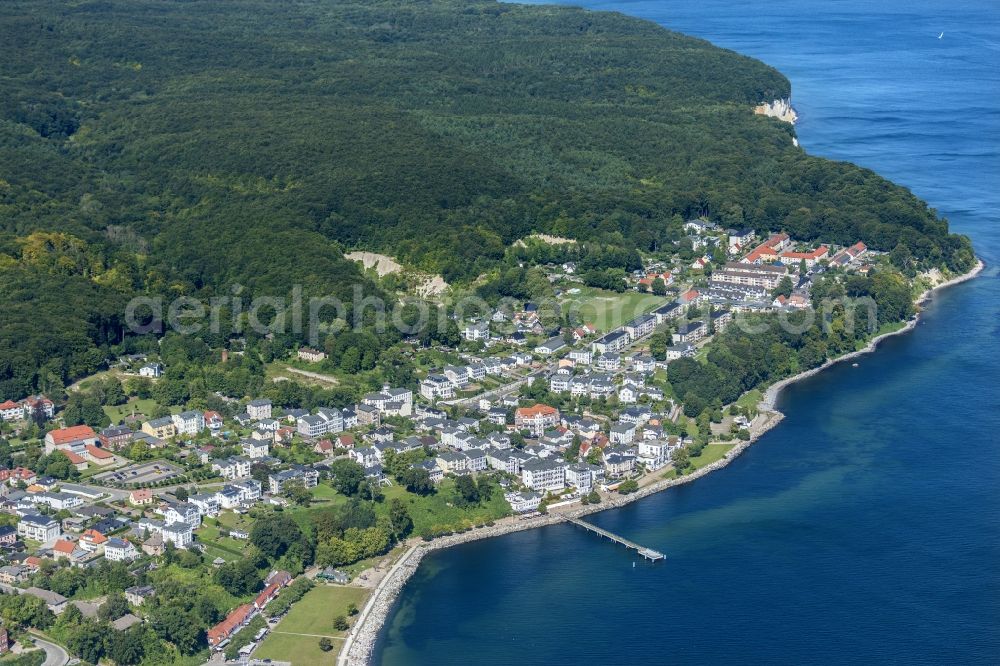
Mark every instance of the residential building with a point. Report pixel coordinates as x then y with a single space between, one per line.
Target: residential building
120 550
308 477
138 594
310 355
141 497
748 274
259 409
437 386
641 326
38 528
116 437
542 474
162 428
614 341
523 502
536 419
190 422
153 370
476 331
689 332
255 449
232 468
550 346
181 534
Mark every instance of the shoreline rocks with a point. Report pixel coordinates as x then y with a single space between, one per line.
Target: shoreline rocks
359 646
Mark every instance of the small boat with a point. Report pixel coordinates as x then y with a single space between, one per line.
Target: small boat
854 365
941 36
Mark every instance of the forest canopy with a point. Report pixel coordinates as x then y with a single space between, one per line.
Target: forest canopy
185 147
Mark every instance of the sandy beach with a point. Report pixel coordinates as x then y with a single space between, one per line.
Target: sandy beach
359 645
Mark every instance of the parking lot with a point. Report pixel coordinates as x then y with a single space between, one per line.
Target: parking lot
150 472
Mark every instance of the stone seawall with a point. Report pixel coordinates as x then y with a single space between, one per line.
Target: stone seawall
359 646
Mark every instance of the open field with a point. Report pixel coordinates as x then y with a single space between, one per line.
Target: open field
118 413
296 637
606 309
298 650
710 454
437 512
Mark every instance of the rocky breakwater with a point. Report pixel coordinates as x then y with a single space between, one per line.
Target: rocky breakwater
359 646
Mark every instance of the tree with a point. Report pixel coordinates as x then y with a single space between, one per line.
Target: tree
681 460
125 648
173 623
417 480
628 487
239 578
572 452
400 519
274 534
87 641
659 287
340 623
181 494
297 493
593 497
352 609
467 494
346 476
325 644
784 288
115 607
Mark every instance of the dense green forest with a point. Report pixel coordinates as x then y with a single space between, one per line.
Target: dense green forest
169 147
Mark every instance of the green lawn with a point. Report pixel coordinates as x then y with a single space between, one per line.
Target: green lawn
606 309
117 413
710 454
313 615
436 513
299 650
750 399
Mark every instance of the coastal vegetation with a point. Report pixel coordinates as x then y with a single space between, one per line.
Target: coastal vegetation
170 149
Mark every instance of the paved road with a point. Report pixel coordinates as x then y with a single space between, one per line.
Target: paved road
54 655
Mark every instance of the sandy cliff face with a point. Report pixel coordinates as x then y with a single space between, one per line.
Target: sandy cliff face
780 109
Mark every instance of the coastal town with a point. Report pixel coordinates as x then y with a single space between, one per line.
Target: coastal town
526 422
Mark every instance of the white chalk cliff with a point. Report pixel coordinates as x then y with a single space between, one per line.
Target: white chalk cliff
780 109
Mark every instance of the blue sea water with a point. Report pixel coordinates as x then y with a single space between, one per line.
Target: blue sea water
866 527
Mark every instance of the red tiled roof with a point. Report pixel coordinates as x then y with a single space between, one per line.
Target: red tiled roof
72 434
266 595
815 254
9 404
759 252
776 239
64 546
537 410
221 631
73 458
98 453
94 536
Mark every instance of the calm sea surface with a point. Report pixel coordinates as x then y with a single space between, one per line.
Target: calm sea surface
866 527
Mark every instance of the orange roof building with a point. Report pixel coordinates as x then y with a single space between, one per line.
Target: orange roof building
240 616
536 419
74 438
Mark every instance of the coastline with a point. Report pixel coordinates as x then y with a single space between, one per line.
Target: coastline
358 648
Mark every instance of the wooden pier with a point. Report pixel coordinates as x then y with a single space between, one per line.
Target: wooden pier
648 553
